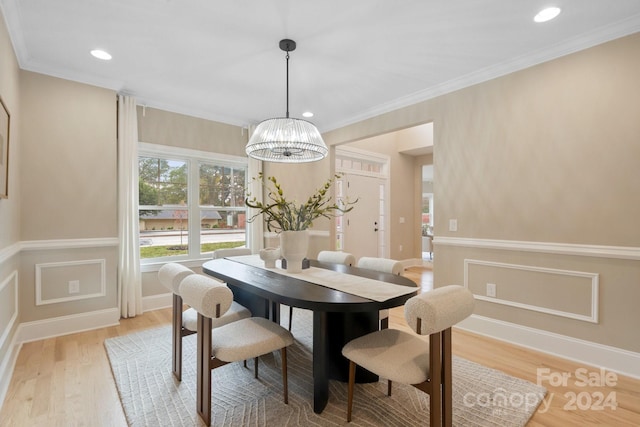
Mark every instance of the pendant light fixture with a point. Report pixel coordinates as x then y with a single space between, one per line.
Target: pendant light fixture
286 139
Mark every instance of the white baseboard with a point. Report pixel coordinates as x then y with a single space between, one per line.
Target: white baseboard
6 369
47 328
611 358
156 302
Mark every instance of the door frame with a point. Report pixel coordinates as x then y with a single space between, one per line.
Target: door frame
364 157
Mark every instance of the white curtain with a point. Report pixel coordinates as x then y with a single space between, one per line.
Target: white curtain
255 229
129 280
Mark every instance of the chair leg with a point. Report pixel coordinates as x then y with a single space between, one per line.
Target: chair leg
384 323
352 380
435 370
290 317
255 367
389 387
285 381
447 379
176 337
203 388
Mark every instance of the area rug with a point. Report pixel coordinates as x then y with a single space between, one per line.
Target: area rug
150 396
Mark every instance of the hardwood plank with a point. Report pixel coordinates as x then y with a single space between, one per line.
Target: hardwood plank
67 380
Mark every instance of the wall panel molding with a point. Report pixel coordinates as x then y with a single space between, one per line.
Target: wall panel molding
599 251
102 280
12 279
592 279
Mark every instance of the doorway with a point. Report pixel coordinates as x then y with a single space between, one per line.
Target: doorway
427 212
363 231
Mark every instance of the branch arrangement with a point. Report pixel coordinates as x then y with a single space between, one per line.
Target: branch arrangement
283 215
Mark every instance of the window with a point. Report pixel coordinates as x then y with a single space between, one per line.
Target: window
190 203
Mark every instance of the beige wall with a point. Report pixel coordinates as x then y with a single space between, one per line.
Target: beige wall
69 197
10 207
177 130
545 155
69 167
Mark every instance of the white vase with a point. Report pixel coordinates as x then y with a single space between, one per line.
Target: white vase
269 256
294 246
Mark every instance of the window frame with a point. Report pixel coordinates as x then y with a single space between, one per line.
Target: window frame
193 159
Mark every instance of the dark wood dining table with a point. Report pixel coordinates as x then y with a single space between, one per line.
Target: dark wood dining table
338 317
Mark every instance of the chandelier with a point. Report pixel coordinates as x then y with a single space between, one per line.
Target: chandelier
286 139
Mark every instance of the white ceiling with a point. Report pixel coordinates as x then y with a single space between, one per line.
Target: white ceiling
355 58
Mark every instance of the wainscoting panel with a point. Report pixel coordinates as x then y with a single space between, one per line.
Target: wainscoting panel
9 306
565 293
55 281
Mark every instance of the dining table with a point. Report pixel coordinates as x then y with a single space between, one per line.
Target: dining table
345 302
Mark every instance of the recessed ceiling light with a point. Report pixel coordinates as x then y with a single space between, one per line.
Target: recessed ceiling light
307 114
101 54
547 14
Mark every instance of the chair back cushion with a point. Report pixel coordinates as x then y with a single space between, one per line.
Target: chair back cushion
383 265
171 275
203 294
221 253
439 309
337 257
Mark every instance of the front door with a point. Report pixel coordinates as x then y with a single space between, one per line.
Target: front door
363 227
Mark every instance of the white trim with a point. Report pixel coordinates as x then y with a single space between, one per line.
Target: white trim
7 367
593 317
599 251
9 251
156 302
615 359
103 280
14 316
368 156
71 324
37 245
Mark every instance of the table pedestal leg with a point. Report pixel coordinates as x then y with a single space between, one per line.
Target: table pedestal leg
320 362
331 331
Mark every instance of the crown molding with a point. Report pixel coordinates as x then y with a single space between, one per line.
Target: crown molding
596 37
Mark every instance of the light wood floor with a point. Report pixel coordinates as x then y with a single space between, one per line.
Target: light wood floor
67 381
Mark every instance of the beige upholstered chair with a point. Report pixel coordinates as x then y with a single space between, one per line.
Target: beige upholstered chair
184 323
337 257
221 253
405 357
244 339
384 265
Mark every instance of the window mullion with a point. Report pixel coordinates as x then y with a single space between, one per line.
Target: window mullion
194 207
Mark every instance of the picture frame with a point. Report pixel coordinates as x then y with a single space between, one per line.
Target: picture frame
5 120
